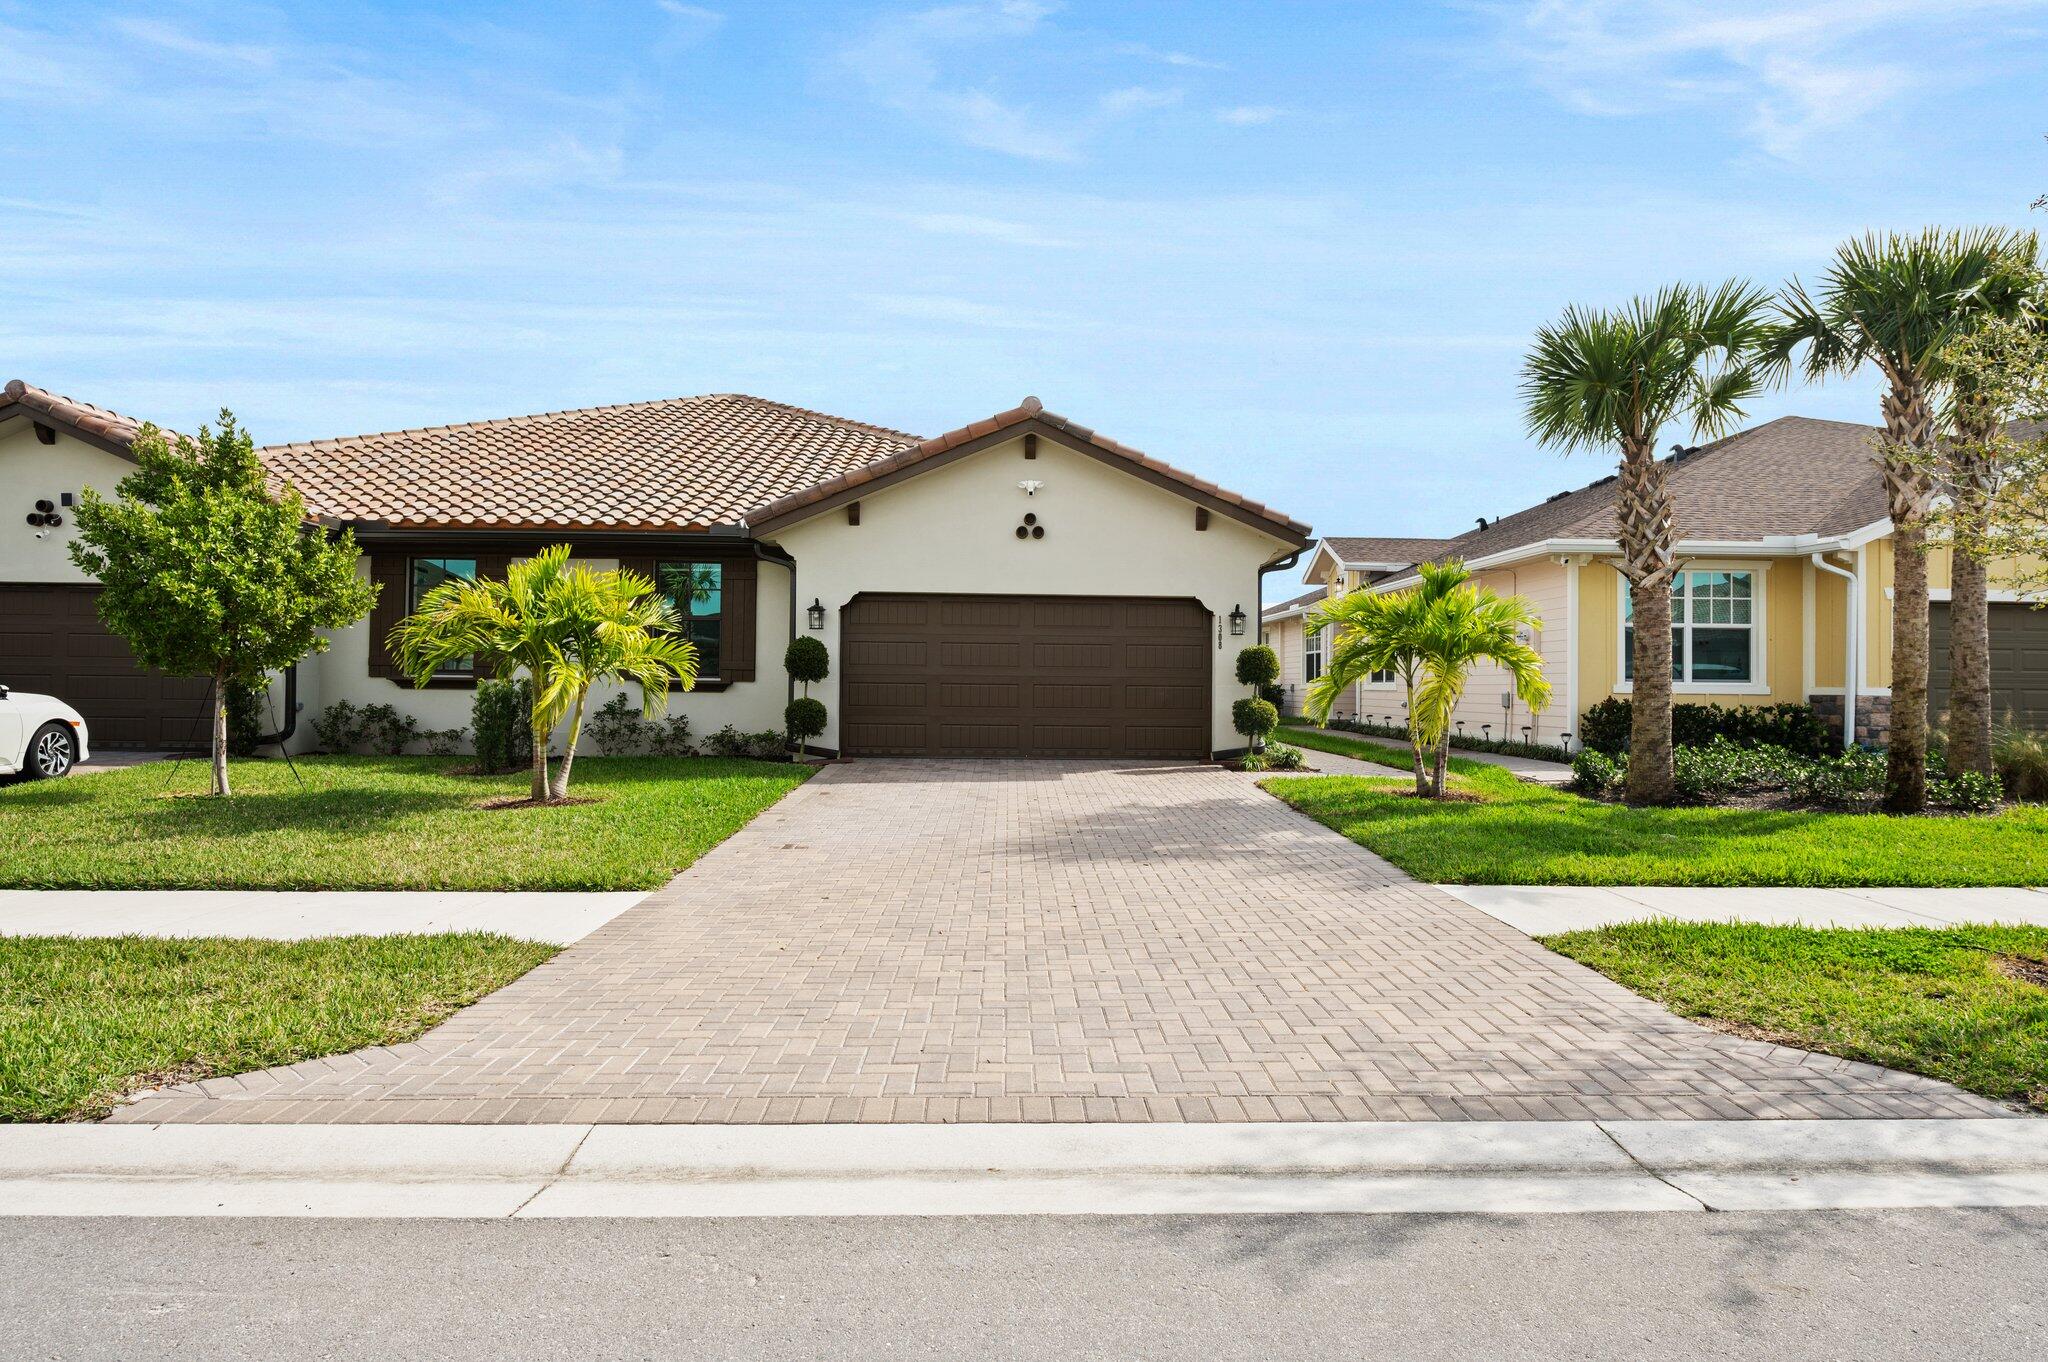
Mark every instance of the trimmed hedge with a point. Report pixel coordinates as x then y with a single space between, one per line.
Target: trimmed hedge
1794 727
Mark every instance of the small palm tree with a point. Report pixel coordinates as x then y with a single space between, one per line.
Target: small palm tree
1897 303
1432 635
1612 381
1377 632
569 628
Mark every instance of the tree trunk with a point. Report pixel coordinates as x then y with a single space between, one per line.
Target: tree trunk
1649 558
538 791
1651 779
1415 746
1905 781
1443 764
1909 490
560 788
1969 666
220 731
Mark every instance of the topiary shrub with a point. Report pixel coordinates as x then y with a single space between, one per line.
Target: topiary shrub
806 659
1257 666
1255 719
499 715
805 719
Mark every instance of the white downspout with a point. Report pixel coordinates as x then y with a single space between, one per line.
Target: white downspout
1852 633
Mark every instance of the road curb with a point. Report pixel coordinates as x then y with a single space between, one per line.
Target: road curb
1007 1169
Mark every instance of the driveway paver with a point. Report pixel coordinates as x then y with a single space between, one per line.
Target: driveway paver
1055 941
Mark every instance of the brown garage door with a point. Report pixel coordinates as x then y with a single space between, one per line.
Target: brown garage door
1024 676
2019 663
51 640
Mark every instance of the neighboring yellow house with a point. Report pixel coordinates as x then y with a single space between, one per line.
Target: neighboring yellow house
1786 590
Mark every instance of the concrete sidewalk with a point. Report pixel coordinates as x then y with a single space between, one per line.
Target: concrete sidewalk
1524 768
611 1171
1541 910
295 915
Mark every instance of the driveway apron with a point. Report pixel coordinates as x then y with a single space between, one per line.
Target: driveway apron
932 941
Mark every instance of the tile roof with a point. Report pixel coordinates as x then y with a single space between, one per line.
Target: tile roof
1030 409
1356 549
681 462
108 426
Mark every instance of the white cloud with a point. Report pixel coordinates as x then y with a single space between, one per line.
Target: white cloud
1249 115
1789 70
695 14
1185 60
157 34
905 63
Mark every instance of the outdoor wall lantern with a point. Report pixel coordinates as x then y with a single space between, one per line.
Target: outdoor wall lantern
1237 620
816 614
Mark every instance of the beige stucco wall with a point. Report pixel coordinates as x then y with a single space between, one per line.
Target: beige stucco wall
343 674
31 471
1108 533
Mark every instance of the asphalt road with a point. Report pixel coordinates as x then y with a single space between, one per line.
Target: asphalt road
1849 1285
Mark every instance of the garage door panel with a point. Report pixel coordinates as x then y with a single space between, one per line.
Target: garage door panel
1005 676
53 641
2019 663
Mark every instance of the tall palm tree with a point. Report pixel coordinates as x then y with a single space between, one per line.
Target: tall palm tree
1431 635
569 628
1896 302
1613 380
1377 632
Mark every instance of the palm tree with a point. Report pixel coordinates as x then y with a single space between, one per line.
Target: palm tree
1896 303
1612 380
1376 632
569 628
1432 635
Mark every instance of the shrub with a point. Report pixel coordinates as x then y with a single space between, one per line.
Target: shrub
804 718
1254 718
1594 773
730 742
340 728
1280 757
388 731
2022 761
670 738
1252 760
499 715
245 717
442 742
807 660
1257 665
1968 790
1848 778
1464 742
1794 727
618 728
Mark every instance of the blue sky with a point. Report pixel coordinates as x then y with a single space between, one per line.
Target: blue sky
1295 247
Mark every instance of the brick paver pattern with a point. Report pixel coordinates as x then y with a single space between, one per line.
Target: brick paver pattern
1055 941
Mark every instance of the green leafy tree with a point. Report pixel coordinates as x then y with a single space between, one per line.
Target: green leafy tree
208 572
568 628
1896 303
1613 380
1380 632
1432 635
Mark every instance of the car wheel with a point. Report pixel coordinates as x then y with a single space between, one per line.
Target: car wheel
53 751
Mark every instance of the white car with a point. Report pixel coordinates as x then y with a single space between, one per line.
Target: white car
40 735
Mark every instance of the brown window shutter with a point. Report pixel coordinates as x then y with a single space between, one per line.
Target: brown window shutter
387 572
742 591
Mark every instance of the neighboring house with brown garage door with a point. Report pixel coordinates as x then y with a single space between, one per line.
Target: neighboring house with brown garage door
1018 587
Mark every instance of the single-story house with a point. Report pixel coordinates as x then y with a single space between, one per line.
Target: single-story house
1021 586
1785 592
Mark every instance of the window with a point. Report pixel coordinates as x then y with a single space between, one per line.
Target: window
697 591
428 573
1311 654
1713 629
1385 678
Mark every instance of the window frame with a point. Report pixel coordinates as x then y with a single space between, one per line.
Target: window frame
685 612
1759 589
413 597
1313 655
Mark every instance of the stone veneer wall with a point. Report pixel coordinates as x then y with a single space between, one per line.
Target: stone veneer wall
1873 717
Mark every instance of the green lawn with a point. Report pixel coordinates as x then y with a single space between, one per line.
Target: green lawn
1928 1001
377 823
1529 834
1378 753
84 1021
